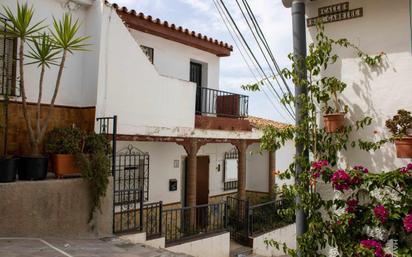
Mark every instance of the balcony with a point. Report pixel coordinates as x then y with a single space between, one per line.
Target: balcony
212 102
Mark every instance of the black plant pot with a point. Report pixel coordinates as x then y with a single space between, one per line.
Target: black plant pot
33 167
8 169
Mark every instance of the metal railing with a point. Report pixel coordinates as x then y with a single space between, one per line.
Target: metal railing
246 220
238 219
108 126
229 185
221 103
266 217
152 219
189 222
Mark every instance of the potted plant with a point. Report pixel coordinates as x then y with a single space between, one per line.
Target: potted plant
8 164
62 144
334 116
400 126
45 50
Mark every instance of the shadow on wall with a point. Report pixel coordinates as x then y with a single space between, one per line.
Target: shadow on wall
361 106
372 92
359 98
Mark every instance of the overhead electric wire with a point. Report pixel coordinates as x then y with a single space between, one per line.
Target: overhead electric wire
231 32
263 38
254 57
260 47
227 21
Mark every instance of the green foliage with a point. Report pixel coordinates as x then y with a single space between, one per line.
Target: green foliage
65 34
43 51
67 140
400 123
95 166
20 23
329 221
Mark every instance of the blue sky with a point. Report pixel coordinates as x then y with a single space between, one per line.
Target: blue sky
202 16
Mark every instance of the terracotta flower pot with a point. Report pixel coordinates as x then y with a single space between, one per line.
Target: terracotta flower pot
65 164
333 122
404 147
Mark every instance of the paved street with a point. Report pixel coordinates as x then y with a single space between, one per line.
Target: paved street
52 247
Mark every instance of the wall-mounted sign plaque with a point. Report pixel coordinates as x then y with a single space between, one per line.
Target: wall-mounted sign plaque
334 13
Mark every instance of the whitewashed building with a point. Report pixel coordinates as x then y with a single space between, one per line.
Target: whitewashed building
375 26
178 138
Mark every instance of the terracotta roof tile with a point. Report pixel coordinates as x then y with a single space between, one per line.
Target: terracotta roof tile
171 27
261 123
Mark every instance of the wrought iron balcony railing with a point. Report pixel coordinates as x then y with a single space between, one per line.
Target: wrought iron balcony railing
220 103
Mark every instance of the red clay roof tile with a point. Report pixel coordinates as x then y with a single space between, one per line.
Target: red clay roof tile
224 50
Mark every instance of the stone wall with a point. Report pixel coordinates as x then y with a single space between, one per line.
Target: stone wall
52 208
282 235
62 116
216 246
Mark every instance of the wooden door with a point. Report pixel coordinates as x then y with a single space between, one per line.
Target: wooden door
202 180
202 190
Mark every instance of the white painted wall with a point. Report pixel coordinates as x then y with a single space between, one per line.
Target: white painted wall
257 169
216 153
258 166
216 246
131 88
173 59
282 235
285 156
76 87
163 155
378 93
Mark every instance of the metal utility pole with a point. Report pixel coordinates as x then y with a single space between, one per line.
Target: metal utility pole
299 48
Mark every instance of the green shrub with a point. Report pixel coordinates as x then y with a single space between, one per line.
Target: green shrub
67 140
95 166
400 123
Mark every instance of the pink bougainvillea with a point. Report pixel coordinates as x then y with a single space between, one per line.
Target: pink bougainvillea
352 205
341 180
407 169
407 223
361 168
375 246
381 213
318 168
319 164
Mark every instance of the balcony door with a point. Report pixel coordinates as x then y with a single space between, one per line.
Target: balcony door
196 77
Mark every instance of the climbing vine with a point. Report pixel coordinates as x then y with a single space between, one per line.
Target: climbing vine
368 211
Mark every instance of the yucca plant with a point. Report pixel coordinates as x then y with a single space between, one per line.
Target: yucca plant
46 49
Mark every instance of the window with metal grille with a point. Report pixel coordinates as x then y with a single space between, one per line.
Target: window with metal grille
149 52
8 52
230 171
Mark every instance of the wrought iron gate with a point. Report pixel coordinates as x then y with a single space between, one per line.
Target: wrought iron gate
131 188
238 219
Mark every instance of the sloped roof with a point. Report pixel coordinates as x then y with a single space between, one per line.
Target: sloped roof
146 23
261 123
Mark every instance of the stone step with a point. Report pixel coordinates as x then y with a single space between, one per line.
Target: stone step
242 251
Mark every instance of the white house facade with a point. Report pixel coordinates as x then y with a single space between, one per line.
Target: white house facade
375 26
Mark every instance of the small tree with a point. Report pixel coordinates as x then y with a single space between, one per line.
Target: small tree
48 47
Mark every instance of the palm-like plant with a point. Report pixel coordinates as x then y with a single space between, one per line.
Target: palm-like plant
45 50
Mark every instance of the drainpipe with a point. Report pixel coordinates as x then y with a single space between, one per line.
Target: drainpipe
410 20
299 49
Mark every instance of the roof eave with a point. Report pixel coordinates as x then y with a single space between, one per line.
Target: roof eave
184 37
